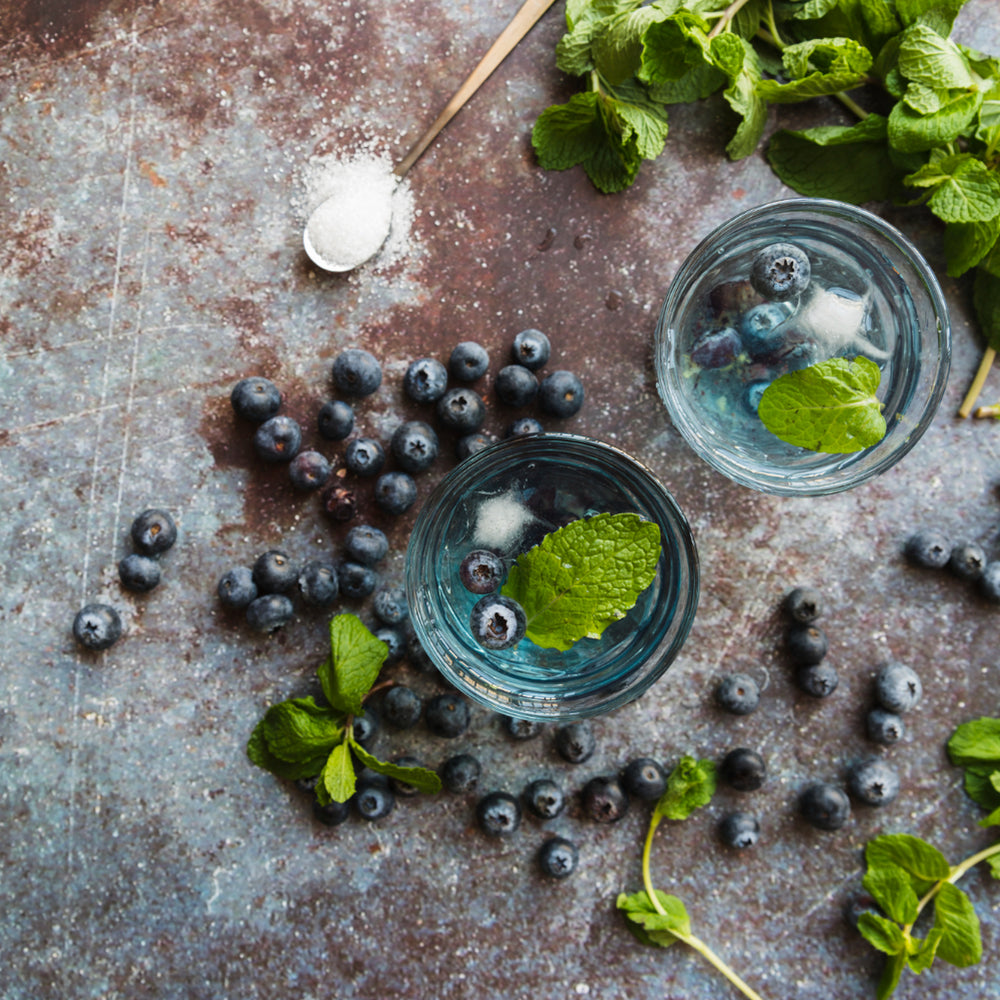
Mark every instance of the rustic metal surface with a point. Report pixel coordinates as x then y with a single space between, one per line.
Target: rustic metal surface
151 171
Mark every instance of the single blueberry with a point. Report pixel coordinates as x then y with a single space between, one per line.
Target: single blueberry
780 271
716 348
336 420
929 549
274 573
819 680
417 656
516 386
526 425
806 644
468 361
401 707
425 380
364 457
498 814
531 349
497 622
804 605
825 806
470 444
309 471
989 582
318 583
461 410
374 802
97 626
604 800
269 612
644 778
399 785
356 372
394 640
255 399
884 727
873 782
558 857
460 774
481 571
575 741
340 502
560 394
521 729
366 726
333 813
395 492
967 561
356 580
236 588
743 769
897 687
277 440
544 798
366 545
390 606
739 830
139 573
447 715
752 393
153 532
760 329
414 445
738 693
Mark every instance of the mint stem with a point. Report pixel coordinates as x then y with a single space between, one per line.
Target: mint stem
977 383
727 16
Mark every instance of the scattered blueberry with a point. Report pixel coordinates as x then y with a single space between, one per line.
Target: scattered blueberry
364 457
526 425
873 782
318 583
395 492
356 580
274 573
461 410
780 271
752 394
738 693
498 814
806 644
399 785
544 798
447 715
139 573
255 399
825 806
414 445
394 640
481 571
967 561
374 801
743 769
604 800
897 687
401 707
97 626
460 774
309 471
989 582
333 813
521 729
356 372
558 857
366 545
366 725
389 605
560 394
417 656
269 612
716 348
739 830
153 532
236 588
516 386
929 549
644 778
819 680
804 605
336 420
497 622
470 444
760 329
425 380
884 727
531 349
340 503
575 741
468 361
277 440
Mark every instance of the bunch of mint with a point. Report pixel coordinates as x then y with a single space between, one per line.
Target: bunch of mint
928 107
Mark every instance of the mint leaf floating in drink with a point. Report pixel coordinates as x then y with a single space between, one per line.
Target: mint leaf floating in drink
829 407
583 577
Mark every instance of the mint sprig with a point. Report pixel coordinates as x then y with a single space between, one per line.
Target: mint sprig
829 407
583 577
299 738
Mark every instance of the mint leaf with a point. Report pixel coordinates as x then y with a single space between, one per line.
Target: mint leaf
643 117
919 859
961 943
676 60
892 889
336 780
584 576
928 58
920 954
828 407
735 57
663 929
356 657
940 14
967 243
617 49
986 298
890 977
912 132
975 742
260 754
817 67
882 934
690 785
963 188
298 729
585 19
421 778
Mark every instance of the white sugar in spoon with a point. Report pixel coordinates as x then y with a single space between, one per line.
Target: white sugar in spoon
351 224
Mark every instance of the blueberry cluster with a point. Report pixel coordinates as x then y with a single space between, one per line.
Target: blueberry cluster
497 622
98 626
807 645
931 549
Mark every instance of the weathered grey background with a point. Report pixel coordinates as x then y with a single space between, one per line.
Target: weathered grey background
152 158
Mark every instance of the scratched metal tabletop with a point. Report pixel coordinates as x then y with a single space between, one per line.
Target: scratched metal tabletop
154 163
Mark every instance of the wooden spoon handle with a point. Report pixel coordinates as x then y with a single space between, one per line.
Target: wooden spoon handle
521 24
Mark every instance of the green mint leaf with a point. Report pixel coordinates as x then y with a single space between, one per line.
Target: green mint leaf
913 132
585 19
960 943
967 243
889 979
584 576
735 57
979 786
356 657
337 780
929 58
618 47
993 819
676 62
892 889
829 407
940 14
260 754
986 297
690 785
811 161
993 863
924 862
882 934
818 67
963 188
642 117
920 954
421 778
298 729
663 929
975 742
